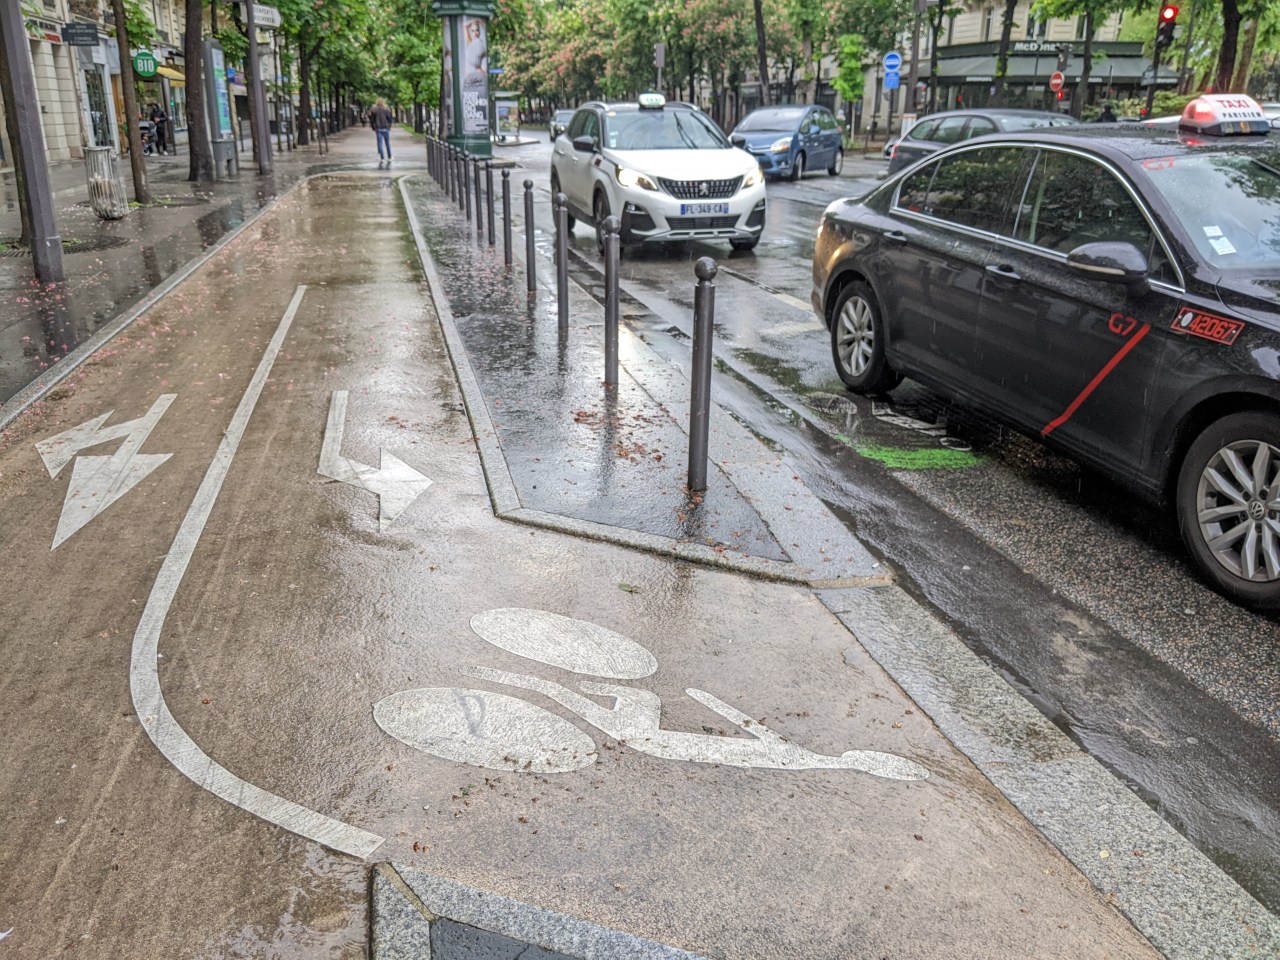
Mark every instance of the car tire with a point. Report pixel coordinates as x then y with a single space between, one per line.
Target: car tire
857 341
1228 506
744 245
797 168
837 164
555 188
600 213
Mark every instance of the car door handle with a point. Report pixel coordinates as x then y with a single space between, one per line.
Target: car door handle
1004 272
897 236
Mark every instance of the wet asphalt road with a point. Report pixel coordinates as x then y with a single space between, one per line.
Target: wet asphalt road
1079 593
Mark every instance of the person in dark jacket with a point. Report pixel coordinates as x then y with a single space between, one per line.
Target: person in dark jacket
161 121
380 120
1106 116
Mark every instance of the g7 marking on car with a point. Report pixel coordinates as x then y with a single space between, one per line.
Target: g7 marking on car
1162 163
1097 380
1121 324
1207 326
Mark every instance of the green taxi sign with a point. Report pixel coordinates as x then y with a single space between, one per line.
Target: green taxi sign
144 64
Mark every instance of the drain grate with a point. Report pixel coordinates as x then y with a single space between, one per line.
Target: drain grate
9 245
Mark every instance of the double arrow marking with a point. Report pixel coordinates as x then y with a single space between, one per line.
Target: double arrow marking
395 483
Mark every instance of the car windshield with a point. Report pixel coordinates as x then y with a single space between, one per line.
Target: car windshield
777 121
1229 205
1034 123
663 130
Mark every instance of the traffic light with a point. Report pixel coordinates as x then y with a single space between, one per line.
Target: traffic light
1168 21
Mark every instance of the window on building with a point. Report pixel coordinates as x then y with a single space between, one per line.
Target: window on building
1080 28
988 22
951 27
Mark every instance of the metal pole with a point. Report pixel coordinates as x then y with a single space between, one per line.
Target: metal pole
275 60
562 258
460 171
466 185
46 244
506 217
704 313
612 245
259 95
488 189
531 267
475 170
913 75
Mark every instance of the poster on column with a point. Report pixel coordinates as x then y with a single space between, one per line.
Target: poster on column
450 24
475 76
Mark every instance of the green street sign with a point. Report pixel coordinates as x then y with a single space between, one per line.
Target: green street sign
144 64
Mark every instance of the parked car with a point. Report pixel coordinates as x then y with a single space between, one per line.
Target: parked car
1110 291
888 148
559 120
664 169
930 134
789 140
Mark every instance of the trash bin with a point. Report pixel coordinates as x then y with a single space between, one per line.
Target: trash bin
106 188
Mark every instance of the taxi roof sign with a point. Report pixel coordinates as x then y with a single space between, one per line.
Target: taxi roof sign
1224 115
651 101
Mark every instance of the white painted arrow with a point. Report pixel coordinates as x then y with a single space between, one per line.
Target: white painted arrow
98 482
395 483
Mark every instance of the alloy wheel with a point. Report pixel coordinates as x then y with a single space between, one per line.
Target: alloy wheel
856 338
1238 509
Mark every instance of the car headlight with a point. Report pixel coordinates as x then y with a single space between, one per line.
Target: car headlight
629 178
752 178
781 146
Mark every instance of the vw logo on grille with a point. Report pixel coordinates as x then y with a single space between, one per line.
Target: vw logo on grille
704 189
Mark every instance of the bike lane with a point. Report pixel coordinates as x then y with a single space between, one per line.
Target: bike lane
260 610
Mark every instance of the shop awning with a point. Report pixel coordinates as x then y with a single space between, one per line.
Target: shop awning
1024 68
171 73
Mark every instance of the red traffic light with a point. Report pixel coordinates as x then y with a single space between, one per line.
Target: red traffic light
1168 13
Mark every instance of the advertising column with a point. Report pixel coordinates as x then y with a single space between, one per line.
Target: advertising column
218 106
466 59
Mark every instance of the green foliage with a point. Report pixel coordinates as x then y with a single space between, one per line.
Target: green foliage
1166 104
142 32
849 81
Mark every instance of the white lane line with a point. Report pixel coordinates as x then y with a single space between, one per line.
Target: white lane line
144 677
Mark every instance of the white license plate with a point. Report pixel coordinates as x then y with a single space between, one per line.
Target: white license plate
701 209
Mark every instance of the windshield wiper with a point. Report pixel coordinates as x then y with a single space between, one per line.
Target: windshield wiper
683 135
1266 166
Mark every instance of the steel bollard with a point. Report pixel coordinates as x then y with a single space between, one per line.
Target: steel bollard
531 268
561 205
451 171
506 217
466 184
475 172
431 156
488 189
612 248
704 313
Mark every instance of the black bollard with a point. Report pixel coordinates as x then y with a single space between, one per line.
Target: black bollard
531 268
506 217
612 248
475 171
488 190
704 313
561 207
466 184
451 171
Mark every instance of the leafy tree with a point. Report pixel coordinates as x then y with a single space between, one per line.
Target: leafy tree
851 77
1094 12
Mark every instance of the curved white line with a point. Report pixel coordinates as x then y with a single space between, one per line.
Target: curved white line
144 677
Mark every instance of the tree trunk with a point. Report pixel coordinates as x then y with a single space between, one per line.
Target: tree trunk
1230 40
198 147
304 97
935 27
1241 84
1081 92
806 53
1185 75
1002 57
137 164
762 55
15 143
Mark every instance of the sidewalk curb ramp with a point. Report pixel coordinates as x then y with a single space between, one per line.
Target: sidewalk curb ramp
1173 894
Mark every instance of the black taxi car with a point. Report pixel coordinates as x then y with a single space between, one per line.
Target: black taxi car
1110 289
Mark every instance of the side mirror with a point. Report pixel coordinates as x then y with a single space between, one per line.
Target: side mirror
1111 261
584 144
738 140
813 128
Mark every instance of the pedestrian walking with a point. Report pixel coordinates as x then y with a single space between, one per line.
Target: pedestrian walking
380 120
160 120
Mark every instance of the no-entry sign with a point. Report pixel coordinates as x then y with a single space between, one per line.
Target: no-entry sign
1057 80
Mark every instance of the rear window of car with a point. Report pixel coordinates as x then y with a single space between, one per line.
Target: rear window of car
1011 124
780 120
923 130
950 130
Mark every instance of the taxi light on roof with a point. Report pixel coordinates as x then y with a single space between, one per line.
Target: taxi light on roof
1224 115
652 101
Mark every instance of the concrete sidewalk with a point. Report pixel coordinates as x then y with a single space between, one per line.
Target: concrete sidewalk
274 649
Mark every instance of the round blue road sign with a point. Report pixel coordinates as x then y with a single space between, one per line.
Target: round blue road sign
892 60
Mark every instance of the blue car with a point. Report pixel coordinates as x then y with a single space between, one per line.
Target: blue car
790 140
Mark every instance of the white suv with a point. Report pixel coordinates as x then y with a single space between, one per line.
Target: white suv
663 168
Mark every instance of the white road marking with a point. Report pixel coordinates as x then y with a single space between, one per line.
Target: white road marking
557 641
796 302
394 482
98 482
144 678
